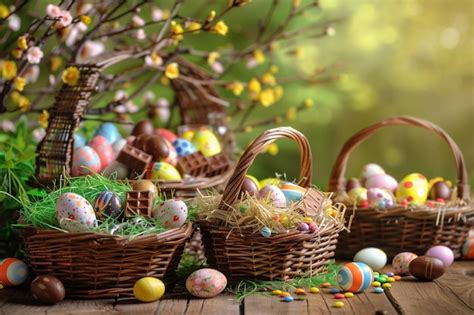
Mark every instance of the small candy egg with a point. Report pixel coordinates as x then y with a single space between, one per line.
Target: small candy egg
314 290
85 161
413 189
355 277
188 135
443 253
276 292
426 268
283 294
108 204
274 195
288 299
206 283
401 261
103 149
440 190
397 278
145 185
370 170
468 249
303 227
249 187
378 290
184 147
349 295
118 145
79 140
338 304
357 195
48 289
334 290
148 289
266 232
116 170
75 213
339 296
293 193
172 213
142 127
13 272
270 181
206 142
300 291
379 198
376 284
109 131
374 257
386 285
383 181
165 171
313 227
390 274
325 285
167 134
382 279
390 279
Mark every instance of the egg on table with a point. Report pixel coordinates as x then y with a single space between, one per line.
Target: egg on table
47 289
108 204
167 134
116 170
165 171
171 213
413 189
383 181
274 195
148 289
380 198
13 271
468 249
374 257
370 170
357 195
75 213
293 193
427 268
85 161
401 262
206 141
184 147
103 149
443 253
206 283
109 131
355 277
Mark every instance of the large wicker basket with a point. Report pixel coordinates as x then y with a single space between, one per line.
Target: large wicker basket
241 254
92 265
404 228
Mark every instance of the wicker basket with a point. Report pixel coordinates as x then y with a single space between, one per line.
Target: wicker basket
404 228
92 265
241 254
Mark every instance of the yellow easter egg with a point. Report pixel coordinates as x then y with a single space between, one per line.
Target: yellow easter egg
270 181
357 194
413 189
188 135
165 171
149 289
255 180
206 142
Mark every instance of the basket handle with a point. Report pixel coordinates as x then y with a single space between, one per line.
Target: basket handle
336 182
234 185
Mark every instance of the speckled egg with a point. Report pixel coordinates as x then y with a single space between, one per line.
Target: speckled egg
172 157
109 131
270 181
380 198
75 213
293 193
85 161
184 147
118 145
103 149
116 170
383 181
413 189
108 204
357 195
167 134
12 272
206 141
171 213
206 283
401 262
370 170
165 171
274 194
79 140
374 257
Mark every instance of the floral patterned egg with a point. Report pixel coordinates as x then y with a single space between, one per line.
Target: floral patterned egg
172 213
275 195
206 283
104 150
206 142
357 195
118 145
413 189
75 213
108 131
401 261
172 157
167 134
108 204
184 147
370 170
85 161
383 181
79 140
379 198
165 171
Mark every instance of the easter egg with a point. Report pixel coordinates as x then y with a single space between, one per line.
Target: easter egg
401 262
206 141
184 147
108 131
12 272
370 170
116 170
443 253
274 195
270 181
293 193
145 185
383 181
266 232
47 289
426 268
172 213
379 198
108 204
75 213
154 145
118 145
440 190
468 249
357 195
148 289
206 283
103 149
355 277
172 157
85 161
375 258
413 189
188 135
255 180
165 171
167 134
142 127
79 140
352 183
249 187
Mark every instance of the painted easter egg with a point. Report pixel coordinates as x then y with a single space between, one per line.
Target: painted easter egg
401 262
165 171
145 185
426 268
206 283
85 161
75 213
116 170
270 181
103 149
47 289
266 232
443 253
13 272
255 180
357 195
383 181
355 277
172 213
380 198
352 183
370 170
413 189
250 187
375 258
188 135
293 193
148 289
79 140
206 141
118 145
468 249
142 127
184 147
172 157
274 195
167 134
108 204
109 131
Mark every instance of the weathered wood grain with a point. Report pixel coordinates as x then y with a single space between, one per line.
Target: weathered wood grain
460 280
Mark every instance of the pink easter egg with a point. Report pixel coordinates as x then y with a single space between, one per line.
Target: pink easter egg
104 150
85 161
167 134
383 181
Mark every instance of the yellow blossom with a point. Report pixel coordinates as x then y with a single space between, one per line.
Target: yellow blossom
43 119
236 87
211 16
274 69
278 91
220 28
17 53
254 88
56 63
164 80
259 56
194 26
71 75
291 114
24 103
248 129
15 96
212 57
308 103
269 78
22 42
272 149
177 31
4 11
19 83
8 70
87 20
172 70
267 97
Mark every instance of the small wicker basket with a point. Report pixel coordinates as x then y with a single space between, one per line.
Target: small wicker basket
241 254
404 228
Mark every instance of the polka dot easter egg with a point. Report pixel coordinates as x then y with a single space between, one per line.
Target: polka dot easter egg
85 161
108 131
165 171
171 213
355 277
401 261
380 198
12 272
413 189
274 195
103 149
75 213
207 142
108 204
206 283
184 147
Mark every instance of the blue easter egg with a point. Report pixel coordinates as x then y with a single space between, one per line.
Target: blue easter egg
184 147
266 232
355 277
79 140
108 131
292 196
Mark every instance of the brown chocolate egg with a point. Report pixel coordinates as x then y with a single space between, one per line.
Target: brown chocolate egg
154 145
426 268
440 190
48 289
143 127
249 186
352 183
145 185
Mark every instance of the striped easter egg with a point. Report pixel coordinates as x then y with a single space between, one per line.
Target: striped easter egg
108 204
355 277
12 272
468 249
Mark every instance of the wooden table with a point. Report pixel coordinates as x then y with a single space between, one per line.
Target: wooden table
453 293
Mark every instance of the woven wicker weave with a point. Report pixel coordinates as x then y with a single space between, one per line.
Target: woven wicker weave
402 228
241 254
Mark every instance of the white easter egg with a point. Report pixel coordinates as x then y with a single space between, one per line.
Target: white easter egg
118 145
172 213
380 198
370 170
275 195
374 257
75 213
